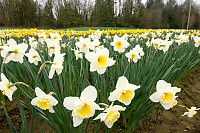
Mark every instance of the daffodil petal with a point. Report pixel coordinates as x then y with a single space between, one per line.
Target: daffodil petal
3 78
39 92
121 82
166 105
114 95
118 108
89 94
77 121
71 102
155 97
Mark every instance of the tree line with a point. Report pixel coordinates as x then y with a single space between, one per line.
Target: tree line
106 13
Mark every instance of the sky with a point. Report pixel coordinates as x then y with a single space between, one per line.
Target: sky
179 1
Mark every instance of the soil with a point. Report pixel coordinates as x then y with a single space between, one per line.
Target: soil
160 121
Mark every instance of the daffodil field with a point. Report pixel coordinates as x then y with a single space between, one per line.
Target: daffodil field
91 81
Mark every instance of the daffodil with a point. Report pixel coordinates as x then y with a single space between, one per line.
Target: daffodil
53 46
32 41
139 49
191 112
133 55
14 52
6 87
165 94
110 115
55 36
182 38
83 107
42 37
83 44
44 101
124 91
33 56
197 41
78 54
165 44
99 60
94 45
57 64
120 44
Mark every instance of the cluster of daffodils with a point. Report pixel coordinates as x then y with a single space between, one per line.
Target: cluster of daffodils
95 47
84 107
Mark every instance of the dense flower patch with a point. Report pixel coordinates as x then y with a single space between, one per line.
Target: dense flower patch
81 76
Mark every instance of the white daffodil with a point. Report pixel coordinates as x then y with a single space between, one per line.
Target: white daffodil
182 38
78 54
32 41
94 45
191 112
165 44
139 49
120 44
111 115
165 94
98 33
148 43
33 56
133 55
99 60
83 44
124 91
55 36
83 107
44 101
53 46
156 42
6 87
57 64
197 41
16 52
42 37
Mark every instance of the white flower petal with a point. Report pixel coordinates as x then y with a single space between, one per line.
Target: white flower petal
155 97
115 95
109 125
4 79
51 109
122 82
39 92
51 73
89 94
91 57
101 70
166 105
161 84
100 116
77 121
118 108
71 102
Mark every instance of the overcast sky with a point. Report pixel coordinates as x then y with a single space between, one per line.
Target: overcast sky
179 1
